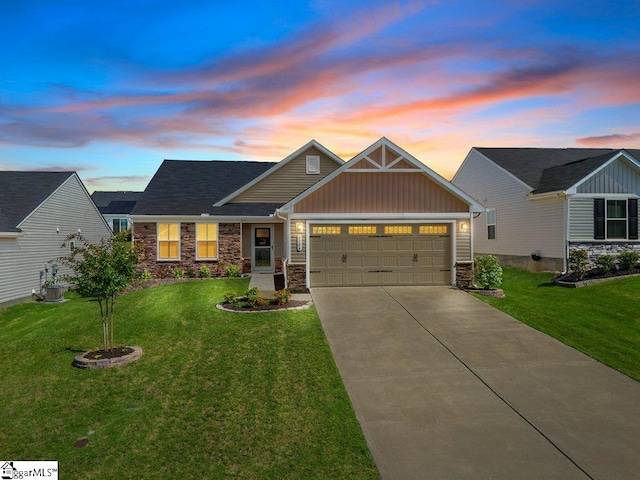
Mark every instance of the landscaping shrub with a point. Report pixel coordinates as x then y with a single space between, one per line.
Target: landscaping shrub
229 297
232 271
253 297
282 296
628 260
578 263
145 274
191 273
487 271
205 272
605 263
178 273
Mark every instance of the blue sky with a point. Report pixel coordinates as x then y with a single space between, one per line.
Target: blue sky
110 89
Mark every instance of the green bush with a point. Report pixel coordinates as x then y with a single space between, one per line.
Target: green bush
282 296
487 271
178 273
232 271
628 260
253 297
191 273
145 274
578 263
605 263
205 272
229 297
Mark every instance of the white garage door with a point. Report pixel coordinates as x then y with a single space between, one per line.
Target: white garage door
354 255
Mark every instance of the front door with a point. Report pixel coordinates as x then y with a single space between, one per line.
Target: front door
263 251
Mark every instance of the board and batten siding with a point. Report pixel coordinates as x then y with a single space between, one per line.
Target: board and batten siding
523 226
618 177
69 208
381 192
288 181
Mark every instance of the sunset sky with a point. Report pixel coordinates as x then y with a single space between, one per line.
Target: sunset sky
110 89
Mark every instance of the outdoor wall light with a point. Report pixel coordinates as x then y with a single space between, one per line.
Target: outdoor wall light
300 227
464 226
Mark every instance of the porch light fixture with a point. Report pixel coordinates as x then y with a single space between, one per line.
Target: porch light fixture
464 226
300 227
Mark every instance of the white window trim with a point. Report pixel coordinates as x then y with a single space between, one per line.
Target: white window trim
179 258
217 240
313 164
625 218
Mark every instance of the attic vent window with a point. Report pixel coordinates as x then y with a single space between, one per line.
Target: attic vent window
313 164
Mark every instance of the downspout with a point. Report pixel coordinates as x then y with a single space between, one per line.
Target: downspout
565 266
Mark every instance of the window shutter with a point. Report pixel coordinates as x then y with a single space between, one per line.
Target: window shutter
633 218
598 219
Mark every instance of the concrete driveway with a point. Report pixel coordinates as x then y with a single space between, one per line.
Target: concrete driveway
445 386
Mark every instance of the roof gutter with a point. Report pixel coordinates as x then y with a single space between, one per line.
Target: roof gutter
12 234
540 196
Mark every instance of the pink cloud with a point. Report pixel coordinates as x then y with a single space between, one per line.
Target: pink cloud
611 140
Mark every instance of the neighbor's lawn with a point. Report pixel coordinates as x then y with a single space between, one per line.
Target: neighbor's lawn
600 320
215 395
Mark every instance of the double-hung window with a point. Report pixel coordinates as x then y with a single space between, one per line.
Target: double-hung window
615 219
491 224
168 241
206 241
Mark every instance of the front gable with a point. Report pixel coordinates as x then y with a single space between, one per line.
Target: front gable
620 175
289 177
383 179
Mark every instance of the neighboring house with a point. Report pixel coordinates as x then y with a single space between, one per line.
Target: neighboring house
37 211
383 218
116 208
543 202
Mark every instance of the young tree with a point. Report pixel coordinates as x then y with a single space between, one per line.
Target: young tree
101 272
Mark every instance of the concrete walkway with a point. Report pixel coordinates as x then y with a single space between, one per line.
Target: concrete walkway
447 387
264 282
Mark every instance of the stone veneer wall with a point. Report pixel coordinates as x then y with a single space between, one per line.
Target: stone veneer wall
297 276
229 243
464 274
595 249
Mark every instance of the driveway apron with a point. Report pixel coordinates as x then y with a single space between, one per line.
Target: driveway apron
445 386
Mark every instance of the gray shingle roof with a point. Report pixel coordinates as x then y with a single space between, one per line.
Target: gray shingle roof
551 169
22 192
188 187
102 199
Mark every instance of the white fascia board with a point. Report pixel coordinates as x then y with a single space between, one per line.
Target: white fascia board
379 217
12 234
621 153
609 196
204 219
278 166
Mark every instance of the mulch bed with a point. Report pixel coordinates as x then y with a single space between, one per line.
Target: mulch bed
271 306
114 353
596 275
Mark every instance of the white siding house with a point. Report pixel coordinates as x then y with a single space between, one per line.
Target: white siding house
541 202
35 225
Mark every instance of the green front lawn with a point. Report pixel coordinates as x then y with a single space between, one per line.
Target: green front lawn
600 320
215 395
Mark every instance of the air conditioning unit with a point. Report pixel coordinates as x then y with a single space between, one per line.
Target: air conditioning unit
54 293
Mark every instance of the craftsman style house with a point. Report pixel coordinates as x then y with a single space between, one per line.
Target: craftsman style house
543 202
382 218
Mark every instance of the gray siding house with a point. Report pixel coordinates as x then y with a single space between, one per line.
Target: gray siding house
543 202
37 211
